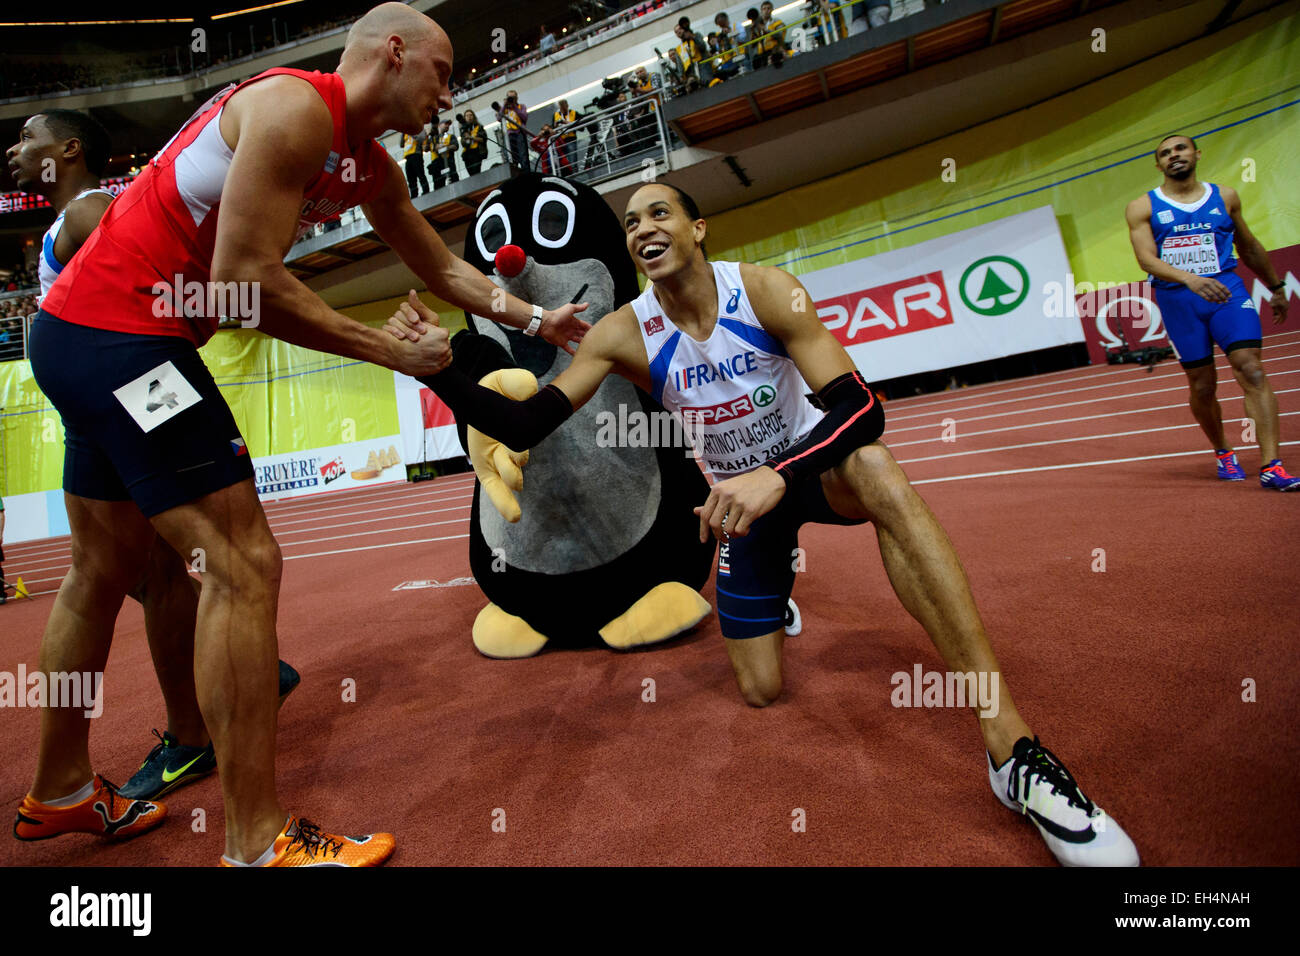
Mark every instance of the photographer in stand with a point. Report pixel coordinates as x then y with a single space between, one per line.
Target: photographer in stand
562 121
473 142
514 120
443 167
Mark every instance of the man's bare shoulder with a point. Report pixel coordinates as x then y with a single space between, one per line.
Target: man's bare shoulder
1139 208
1230 198
610 336
287 104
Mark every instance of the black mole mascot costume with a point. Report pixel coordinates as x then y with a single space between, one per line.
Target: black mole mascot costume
606 546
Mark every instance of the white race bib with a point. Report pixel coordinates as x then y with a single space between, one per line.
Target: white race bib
1196 254
157 395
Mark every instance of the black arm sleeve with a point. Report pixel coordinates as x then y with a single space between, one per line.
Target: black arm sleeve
517 425
853 418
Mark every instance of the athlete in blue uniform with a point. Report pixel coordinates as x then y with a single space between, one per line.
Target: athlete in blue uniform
1183 233
732 348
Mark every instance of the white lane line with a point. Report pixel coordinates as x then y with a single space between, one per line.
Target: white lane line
1036 381
368 534
1085 401
1076 464
1066 421
1059 441
1083 388
39 547
275 526
349 524
360 507
354 495
374 547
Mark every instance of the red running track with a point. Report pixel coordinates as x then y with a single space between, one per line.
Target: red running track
1134 675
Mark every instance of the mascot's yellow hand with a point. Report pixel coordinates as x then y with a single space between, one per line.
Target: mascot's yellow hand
499 469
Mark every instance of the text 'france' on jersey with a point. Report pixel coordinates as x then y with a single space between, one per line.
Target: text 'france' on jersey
738 393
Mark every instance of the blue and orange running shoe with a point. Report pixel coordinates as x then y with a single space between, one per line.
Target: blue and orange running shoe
1274 476
1229 469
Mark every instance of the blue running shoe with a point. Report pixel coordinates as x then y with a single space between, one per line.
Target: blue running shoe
1274 476
169 765
1229 470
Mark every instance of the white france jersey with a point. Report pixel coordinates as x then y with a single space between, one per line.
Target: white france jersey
738 393
49 267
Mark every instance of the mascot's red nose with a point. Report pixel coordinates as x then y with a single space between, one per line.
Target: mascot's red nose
510 261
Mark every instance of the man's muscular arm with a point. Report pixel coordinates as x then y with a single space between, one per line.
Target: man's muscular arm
401 226
281 131
853 416
1253 253
1138 216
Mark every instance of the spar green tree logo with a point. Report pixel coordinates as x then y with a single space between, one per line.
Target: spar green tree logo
764 395
994 285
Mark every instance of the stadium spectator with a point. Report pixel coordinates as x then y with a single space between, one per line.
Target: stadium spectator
692 52
443 166
563 119
547 42
828 21
514 120
413 149
771 47
473 143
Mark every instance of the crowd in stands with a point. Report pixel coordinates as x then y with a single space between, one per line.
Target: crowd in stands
33 75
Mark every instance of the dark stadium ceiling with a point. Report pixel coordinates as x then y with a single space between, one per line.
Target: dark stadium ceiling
142 127
469 22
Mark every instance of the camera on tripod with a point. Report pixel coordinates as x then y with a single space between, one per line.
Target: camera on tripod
613 86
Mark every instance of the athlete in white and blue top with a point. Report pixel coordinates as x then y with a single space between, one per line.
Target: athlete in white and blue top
730 347
1183 233
50 265
738 392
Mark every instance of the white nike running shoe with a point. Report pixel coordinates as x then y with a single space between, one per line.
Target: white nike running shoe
1035 783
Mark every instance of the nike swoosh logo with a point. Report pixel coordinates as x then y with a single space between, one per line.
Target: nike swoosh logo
170 775
1085 835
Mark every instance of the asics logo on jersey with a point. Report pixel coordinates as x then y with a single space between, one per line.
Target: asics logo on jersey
742 363
734 302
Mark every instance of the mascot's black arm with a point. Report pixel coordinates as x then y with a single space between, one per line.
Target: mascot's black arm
517 425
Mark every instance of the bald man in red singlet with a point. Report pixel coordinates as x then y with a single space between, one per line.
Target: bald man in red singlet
115 350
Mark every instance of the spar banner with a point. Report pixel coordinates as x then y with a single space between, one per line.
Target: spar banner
982 293
333 468
428 428
1125 315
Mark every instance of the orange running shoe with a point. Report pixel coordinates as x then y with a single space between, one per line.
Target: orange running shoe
301 843
104 813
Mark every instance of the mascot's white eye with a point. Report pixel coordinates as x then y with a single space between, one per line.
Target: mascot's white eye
492 231
553 216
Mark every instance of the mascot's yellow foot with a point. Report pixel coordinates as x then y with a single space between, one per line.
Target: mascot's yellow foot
504 636
666 611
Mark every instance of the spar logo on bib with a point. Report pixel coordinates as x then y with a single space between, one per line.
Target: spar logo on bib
1196 254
